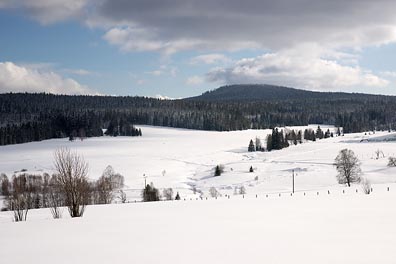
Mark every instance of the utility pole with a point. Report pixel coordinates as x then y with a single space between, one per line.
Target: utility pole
293 180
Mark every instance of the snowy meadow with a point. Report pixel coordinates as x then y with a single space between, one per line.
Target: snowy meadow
322 222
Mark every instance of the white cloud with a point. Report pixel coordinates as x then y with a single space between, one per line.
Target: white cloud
80 72
48 11
213 58
164 70
194 80
15 78
300 69
390 74
171 26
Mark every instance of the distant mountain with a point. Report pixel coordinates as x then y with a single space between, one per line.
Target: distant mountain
259 92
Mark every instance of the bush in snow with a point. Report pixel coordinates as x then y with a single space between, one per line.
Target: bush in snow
19 199
177 196
366 186
379 154
242 190
251 169
4 185
213 192
392 162
167 193
122 196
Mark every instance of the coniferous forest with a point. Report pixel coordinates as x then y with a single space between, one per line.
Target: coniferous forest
33 117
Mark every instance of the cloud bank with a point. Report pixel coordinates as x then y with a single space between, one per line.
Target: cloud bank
15 78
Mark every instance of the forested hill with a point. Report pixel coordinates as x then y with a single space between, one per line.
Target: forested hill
32 117
266 92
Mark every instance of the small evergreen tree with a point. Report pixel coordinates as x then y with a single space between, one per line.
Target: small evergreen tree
251 169
218 170
251 147
177 196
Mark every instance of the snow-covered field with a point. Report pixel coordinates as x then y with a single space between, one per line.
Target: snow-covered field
188 158
336 228
312 226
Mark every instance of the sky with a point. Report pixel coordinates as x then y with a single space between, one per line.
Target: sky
181 48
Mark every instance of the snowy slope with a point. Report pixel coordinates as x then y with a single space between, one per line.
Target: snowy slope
318 224
336 228
189 156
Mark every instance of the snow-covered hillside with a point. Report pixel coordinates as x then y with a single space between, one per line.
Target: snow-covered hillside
181 159
323 222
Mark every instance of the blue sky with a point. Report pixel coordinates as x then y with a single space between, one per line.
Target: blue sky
174 49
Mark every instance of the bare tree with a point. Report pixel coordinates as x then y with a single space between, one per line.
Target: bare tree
55 197
19 199
366 186
168 194
105 190
122 196
72 171
214 192
348 167
392 162
242 190
379 154
5 185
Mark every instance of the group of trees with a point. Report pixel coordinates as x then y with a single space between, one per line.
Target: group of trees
152 194
121 128
280 139
310 134
69 187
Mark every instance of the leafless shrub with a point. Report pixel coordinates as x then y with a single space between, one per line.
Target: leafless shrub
379 154
5 185
104 189
167 193
72 171
366 186
213 192
122 196
19 199
242 190
392 162
55 198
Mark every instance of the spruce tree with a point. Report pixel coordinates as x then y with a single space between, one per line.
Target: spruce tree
251 147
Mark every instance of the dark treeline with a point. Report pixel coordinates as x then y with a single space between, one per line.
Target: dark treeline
33 117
